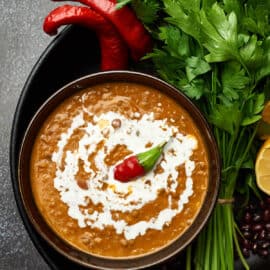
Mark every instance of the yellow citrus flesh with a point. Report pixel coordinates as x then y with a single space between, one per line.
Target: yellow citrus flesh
262 167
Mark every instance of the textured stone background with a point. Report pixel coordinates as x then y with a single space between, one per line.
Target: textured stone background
21 43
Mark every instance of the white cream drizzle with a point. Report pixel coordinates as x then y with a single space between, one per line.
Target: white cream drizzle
124 197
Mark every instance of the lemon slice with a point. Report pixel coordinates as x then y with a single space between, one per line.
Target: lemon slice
262 167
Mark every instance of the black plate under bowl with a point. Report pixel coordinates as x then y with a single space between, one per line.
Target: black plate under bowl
72 54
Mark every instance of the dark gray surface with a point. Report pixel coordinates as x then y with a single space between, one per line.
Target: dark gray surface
21 43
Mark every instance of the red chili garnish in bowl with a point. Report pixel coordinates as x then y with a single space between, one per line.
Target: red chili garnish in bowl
138 165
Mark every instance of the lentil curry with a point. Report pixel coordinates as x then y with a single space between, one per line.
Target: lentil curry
73 160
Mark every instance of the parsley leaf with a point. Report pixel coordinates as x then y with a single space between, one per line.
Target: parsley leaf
252 53
253 107
256 18
211 28
176 42
187 20
220 34
264 69
193 89
225 117
146 10
172 70
234 80
196 66
176 65
235 6
167 65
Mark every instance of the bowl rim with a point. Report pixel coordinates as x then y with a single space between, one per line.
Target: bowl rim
145 79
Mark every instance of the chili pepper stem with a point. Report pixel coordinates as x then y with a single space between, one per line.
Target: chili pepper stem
161 145
149 158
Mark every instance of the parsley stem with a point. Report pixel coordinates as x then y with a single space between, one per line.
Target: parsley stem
188 258
223 149
242 157
228 235
238 144
214 86
238 249
209 234
250 142
231 146
199 256
220 229
215 243
244 66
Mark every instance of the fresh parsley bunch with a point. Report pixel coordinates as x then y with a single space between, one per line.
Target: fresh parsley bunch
218 54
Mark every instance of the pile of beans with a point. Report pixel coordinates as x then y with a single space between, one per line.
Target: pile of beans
255 227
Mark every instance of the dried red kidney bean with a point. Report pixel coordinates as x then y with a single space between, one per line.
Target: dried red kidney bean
255 228
266 215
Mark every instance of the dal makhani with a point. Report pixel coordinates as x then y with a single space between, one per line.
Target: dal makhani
73 161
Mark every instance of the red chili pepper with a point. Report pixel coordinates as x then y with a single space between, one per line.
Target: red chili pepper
126 22
138 165
114 54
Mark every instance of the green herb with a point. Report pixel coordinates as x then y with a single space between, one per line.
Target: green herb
218 54
146 10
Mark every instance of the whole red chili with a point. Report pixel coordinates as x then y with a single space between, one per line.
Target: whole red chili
114 54
126 22
138 165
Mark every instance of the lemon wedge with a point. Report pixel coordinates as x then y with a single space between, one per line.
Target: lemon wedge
262 167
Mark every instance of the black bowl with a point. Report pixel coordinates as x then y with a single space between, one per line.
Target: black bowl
92 261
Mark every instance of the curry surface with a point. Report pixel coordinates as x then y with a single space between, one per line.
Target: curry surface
124 98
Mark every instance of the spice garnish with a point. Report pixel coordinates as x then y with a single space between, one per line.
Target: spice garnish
138 165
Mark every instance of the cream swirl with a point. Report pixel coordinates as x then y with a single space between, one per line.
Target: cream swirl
135 134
